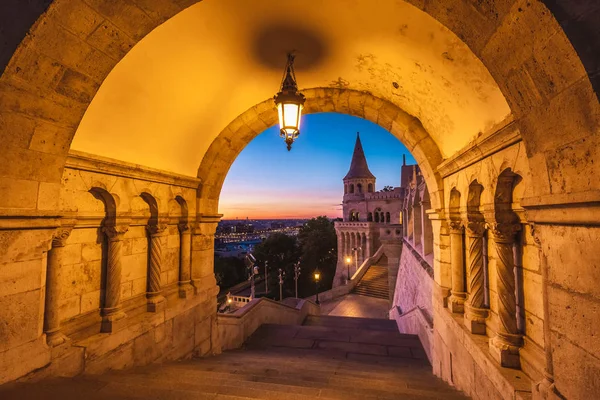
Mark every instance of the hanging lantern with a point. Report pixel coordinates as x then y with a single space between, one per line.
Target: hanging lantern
289 105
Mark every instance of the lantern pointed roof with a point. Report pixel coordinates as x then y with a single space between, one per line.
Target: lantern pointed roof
358 166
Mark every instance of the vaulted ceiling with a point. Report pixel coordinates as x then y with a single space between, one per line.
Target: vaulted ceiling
173 93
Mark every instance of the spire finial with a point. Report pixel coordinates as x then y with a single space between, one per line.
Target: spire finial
403 159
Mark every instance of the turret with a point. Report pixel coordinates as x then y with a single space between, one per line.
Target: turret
358 181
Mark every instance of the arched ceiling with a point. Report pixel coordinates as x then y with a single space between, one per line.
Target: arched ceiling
166 101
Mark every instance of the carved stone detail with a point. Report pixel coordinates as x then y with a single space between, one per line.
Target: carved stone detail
115 232
475 314
505 345
111 311
60 237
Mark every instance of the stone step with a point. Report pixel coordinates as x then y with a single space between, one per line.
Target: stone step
327 358
353 323
273 378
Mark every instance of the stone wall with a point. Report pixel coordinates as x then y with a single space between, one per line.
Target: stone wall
69 272
414 283
412 303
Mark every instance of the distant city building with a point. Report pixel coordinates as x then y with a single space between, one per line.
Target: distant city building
366 210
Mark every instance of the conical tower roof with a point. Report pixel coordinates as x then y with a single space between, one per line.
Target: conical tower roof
358 166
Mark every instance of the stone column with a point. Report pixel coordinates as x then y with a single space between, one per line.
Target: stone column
426 230
392 247
112 315
185 250
475 312
156 301
504 347
457 299
54 336
203 275
369 245
417 228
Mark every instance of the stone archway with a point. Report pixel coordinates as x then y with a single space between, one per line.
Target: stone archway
408 129
57 69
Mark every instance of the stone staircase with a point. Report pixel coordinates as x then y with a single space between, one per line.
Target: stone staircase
326 358
374 283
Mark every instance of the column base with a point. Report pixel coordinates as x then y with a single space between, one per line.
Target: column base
186 290
506 352
475 319
456 302
55 338
546 390
156 303
112 320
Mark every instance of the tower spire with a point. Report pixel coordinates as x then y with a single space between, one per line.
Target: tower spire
358 166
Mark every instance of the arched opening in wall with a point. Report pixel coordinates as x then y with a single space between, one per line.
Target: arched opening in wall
319 181
370 188
92 72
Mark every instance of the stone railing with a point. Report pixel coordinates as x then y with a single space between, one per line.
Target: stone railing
415 321
343 290
236 327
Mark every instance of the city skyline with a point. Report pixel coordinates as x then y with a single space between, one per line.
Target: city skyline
268 182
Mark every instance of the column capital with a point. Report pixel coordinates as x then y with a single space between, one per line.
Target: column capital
455 226
475 228
157 229
60 236
503 232
183 227
115 232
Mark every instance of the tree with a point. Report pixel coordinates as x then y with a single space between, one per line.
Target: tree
229 271
387 188
279 251
318 248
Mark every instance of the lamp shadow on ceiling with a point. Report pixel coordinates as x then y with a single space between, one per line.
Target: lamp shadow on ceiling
272 43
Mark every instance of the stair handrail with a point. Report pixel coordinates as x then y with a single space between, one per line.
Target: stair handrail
236 327
362 270
343 290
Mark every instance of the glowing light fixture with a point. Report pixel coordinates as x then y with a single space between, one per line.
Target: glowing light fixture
317 275
289 102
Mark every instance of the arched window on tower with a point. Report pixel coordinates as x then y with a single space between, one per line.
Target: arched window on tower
370 217
378 214
382 217
387 217
370 188
351 188
359 188
345 189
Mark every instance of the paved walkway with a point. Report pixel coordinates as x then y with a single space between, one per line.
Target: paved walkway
354 305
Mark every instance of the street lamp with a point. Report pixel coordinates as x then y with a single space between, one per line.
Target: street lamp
267 278
289 102
296 275
348 261
317 276
281 278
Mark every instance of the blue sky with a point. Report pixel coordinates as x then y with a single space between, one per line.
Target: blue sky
267 181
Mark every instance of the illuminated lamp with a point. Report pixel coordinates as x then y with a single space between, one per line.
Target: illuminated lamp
289 102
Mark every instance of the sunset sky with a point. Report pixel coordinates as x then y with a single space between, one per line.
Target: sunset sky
267 181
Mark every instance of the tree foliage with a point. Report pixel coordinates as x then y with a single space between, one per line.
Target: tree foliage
229 271
315 247
318 246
